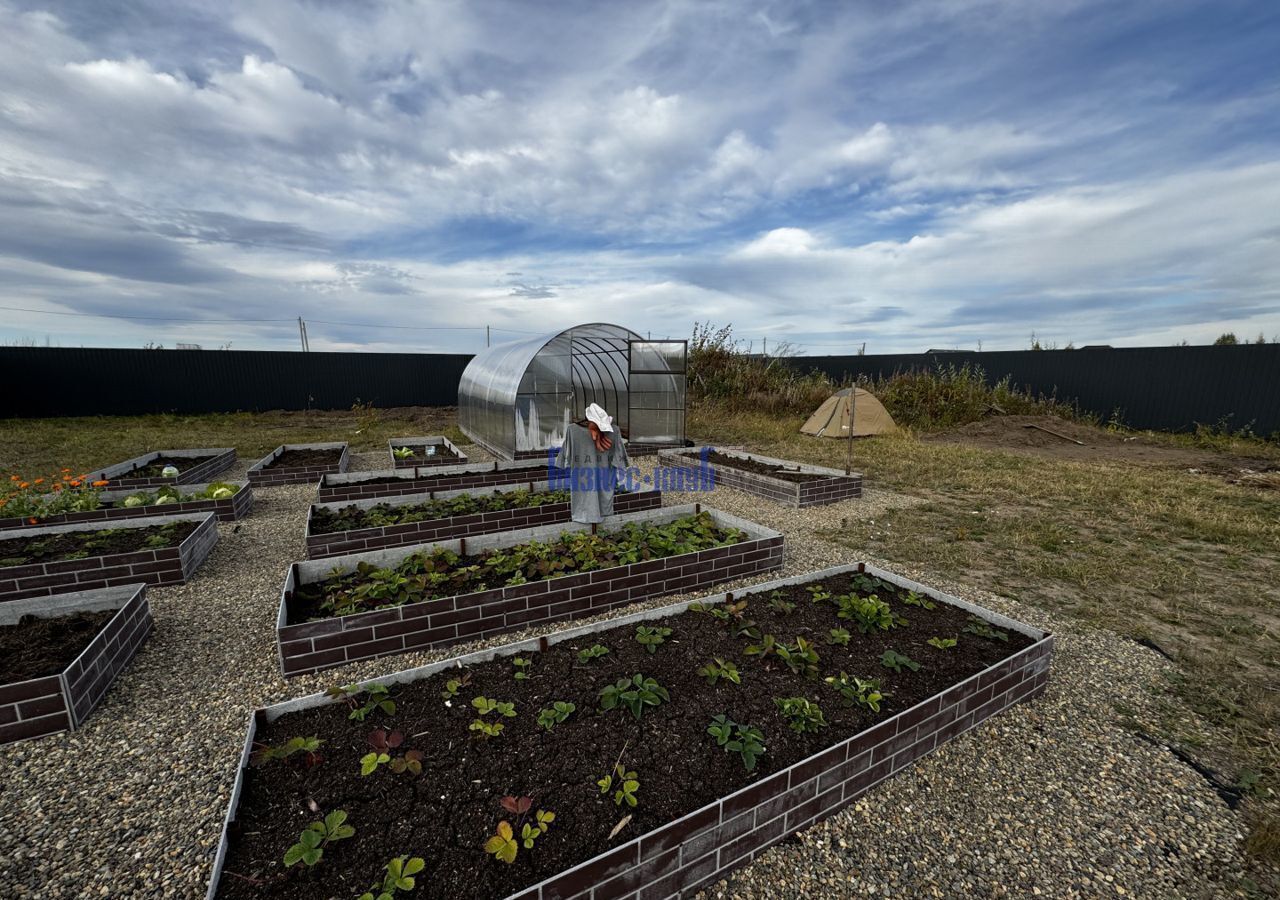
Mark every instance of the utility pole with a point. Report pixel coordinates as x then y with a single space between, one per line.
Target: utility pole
486 335
764 346
302 335
848 456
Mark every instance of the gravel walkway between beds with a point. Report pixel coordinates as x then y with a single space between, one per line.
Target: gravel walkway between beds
1052 798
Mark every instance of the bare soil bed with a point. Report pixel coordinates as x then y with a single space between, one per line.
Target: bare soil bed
291 459
446 814
36 647
155 468
77 544
773 470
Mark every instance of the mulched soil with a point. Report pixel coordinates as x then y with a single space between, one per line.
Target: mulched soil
81 544
773 470
446 814
299 458
420 453
350 518
537 471
37 647
155 468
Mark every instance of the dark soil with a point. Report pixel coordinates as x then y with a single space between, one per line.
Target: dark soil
81 544
537 472
420 455
155 468
773 470
327 521
446 814
37 647
291 459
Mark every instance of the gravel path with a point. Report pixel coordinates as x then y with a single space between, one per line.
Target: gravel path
1050 799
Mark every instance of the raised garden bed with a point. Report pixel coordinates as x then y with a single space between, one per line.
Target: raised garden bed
299 464
152 549
310 638
194 467
59 655
701 809
392 482
424 452
337 528
787 482
192 498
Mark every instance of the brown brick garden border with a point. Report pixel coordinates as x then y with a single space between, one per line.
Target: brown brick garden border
170 565
237 506
223 459
684 856
261 476
362 485
832 488
311 646
357 540
432 462
43 706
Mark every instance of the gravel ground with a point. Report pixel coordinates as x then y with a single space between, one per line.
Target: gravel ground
1052 798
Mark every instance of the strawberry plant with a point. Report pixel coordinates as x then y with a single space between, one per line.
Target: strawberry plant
767 647
892 659
378 698
724 612
650 638
628 783
635 693
553 715
801 659
484 706
839 636
382 744
400 871
502 845
942 643
802 715
595 651
309 746
779 604
868 613
522 667
914 599
982 628
857 692
719 668
316 837
818 594
737 737
453 685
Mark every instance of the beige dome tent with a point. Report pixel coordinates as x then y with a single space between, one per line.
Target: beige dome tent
831 419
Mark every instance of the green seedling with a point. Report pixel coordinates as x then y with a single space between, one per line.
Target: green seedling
485 705
403 453
635 693
453 685
377 698
839 636
595 651
801 659
801 714
892 659
627 784
818 594
857 692
942 643
531 831
522 667
305 745
780 605
650 638
383 744
723 612
738 737
486 730
868 613
503 844
719 668
317 836
914 599
982 628
400 871
767 647
553 715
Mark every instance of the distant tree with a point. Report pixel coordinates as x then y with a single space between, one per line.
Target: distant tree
1262 338
1184 343
1226 340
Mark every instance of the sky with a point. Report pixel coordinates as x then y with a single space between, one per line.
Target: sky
828 176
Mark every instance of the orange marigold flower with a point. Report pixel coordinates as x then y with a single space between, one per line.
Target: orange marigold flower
24 484
66 470
33 520
101 483
75 483
39 481
13 477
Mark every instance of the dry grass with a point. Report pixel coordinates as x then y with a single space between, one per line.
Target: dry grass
1187 561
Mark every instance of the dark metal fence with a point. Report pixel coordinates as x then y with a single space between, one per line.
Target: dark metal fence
1170 388
1165 388
57 381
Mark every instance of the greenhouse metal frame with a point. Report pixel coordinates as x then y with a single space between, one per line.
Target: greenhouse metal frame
517 399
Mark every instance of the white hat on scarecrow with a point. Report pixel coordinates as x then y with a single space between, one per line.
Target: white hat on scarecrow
601 419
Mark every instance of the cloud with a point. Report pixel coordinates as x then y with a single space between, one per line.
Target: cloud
920 173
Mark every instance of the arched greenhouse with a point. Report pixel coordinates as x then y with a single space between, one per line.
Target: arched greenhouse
516 399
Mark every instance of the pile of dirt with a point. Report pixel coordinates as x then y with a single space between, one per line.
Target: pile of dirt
1060 439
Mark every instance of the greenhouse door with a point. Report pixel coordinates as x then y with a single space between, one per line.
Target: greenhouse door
656 392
